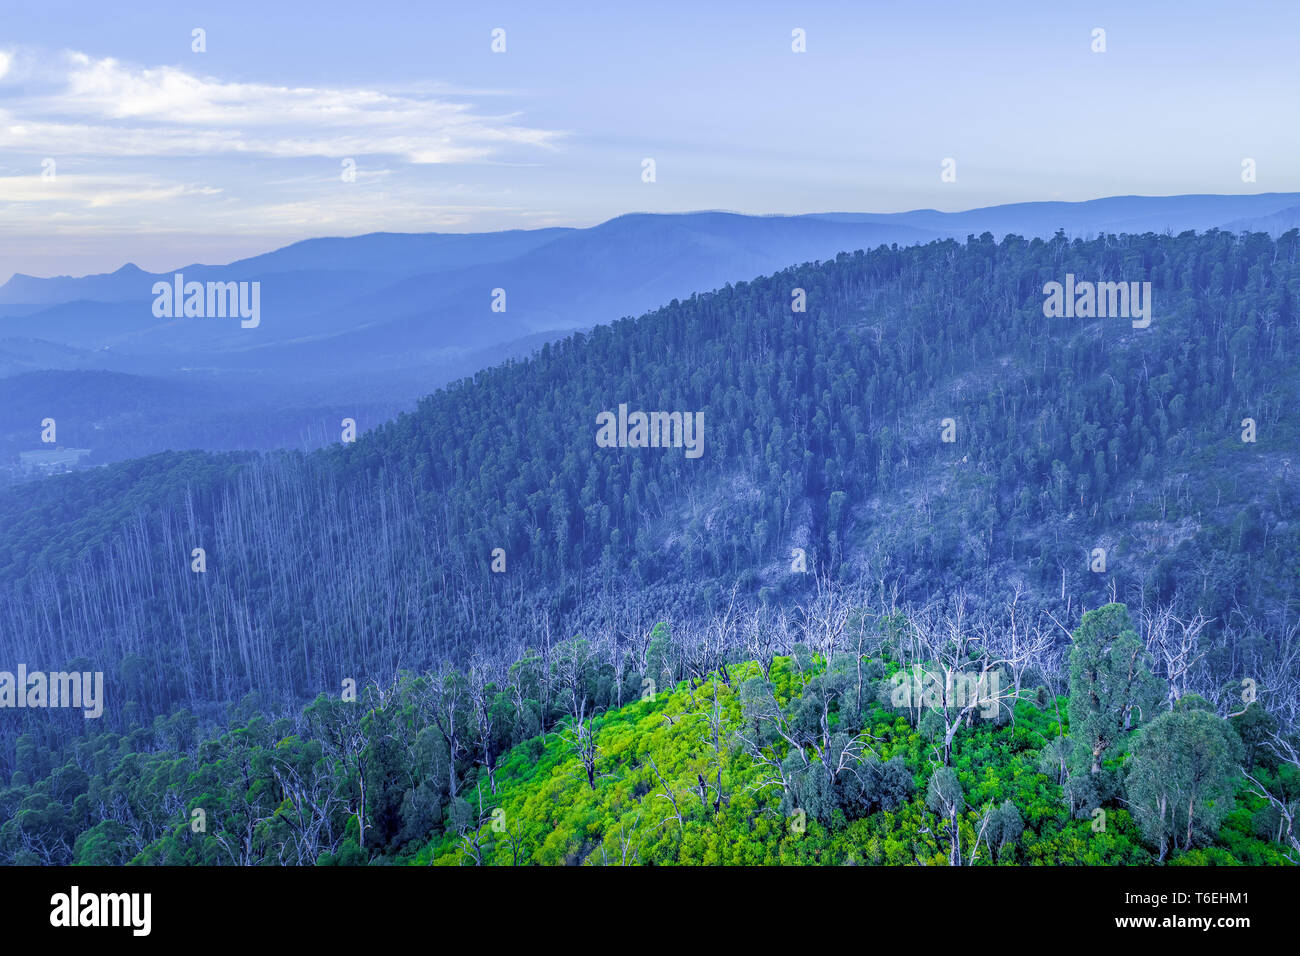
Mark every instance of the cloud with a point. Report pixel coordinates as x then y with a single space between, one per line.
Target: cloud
136 205
103 107
6 60
94 191
152 160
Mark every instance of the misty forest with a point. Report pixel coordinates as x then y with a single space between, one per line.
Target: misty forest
952 582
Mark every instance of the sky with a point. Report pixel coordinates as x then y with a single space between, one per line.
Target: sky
119 142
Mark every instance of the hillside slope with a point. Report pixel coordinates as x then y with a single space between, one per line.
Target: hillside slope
824 431
374 322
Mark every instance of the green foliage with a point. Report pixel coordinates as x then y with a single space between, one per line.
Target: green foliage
1112 687
1182 777
370 781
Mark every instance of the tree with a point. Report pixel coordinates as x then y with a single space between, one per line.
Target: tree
950 669
1182 775
1024 642
446 700
1003 826
481 690
1174 645
817 757
580 740
1111 684
943 795
340 727
1282 791
573 674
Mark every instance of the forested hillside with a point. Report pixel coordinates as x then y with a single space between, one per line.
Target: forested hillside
824 460
116 416
803 759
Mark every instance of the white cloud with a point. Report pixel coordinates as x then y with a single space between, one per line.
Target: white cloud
94 192
137 205
151 161
6 60
107 108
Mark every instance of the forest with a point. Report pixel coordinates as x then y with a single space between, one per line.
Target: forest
852 745
1100 480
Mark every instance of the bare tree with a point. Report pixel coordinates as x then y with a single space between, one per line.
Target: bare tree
826 616
1286 803
314 799
581 741
473 841
1024 643
666 795
479 691
627 844
949 667
713 739
836 750
573 660
446 697
1174 645
760 638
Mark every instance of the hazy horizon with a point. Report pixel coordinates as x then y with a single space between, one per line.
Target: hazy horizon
162 261
120 141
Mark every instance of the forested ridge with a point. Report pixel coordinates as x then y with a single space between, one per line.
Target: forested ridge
791 759
823 434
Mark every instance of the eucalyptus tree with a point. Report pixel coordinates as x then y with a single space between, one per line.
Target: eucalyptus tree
1182 776
1112 687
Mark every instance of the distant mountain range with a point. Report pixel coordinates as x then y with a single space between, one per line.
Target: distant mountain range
381 319
384 301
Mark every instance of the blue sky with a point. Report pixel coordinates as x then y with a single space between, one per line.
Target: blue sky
163 156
